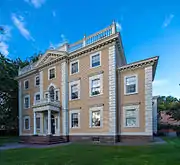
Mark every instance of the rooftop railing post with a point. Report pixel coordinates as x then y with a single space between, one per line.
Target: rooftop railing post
84 41
113 27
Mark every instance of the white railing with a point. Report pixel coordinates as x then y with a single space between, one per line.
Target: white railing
110 30
47 101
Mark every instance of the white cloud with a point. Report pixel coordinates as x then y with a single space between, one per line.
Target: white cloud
167 20
160 82
4 38
20 24
36 3
54 13
118 26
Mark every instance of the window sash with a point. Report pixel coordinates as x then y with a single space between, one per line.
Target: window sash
26 102
95 60
37 97
74 91
74 120
74 67
26 84
37 80
26 122
131 118
96 88
51 73
96 118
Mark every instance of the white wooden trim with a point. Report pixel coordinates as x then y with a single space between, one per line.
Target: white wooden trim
92 109
54 72
70 119
27 96
28 84
125 108
129 76
94 55
26 117
99 76
79 89
71 67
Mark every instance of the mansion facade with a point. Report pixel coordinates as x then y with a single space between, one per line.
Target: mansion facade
86 91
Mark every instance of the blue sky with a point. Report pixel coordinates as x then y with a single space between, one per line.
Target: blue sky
147 28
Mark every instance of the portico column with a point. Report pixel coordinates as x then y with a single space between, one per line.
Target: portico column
49 122
34 123
59 123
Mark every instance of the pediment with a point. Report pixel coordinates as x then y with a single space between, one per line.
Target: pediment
49 56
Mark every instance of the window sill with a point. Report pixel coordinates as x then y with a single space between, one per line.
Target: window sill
95 67
127 94
131 126
97 127
74 127
26 108
95 95
71 74
51 78
74 99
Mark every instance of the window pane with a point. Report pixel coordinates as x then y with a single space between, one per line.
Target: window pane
74 67
26 123
74 120
26 102
37 97
38 122
95 60
26 84
131 113
96 121
52 73
57 95
74 91
131 122
131 84
95 90
37 80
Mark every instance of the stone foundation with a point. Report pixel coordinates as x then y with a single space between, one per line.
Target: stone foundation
94 138
43 139
136 139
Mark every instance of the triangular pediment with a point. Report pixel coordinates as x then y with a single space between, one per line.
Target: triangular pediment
49 56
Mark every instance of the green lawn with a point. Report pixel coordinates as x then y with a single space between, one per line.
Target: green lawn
84 154
8 139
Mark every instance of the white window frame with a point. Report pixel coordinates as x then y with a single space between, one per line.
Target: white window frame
35 81
38 116
99 76
129 76
93 109
91 59
24 84
27 96
26 117
125 108
49 73
71 67
57 90
77 82
70 119
37 93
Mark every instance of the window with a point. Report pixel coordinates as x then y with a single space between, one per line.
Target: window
131 118
74 89
26 84
27 123
51 93
46 95
37 97
74 119
37 81
74 67
131 84
27 101
57 95
96 85
96 117
95 60
38 123
51 73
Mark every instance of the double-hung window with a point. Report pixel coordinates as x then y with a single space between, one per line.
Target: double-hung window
74 119
74 67
27 102
26 123
131 84
26 84
95 60
96 85
74 89
131 116
51 73
37 81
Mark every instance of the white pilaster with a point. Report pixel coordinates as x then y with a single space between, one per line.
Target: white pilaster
58 124
64 85
34 123
41 85
148 101
112 90
49 122
155 115
20 108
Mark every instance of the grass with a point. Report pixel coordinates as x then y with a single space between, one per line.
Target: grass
8 139
84 154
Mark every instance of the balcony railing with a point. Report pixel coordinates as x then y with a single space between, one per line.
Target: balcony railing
47 101
110 30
